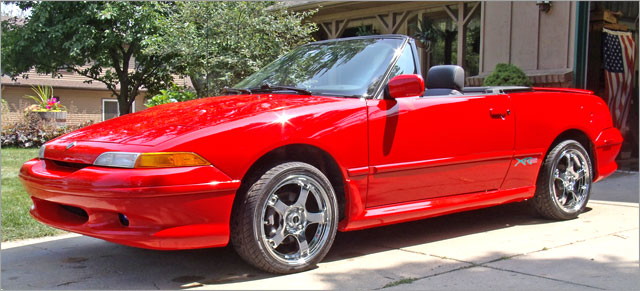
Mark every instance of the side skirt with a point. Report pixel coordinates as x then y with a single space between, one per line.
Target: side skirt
414 210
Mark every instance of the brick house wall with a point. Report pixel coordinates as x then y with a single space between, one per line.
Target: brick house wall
84 101
82 104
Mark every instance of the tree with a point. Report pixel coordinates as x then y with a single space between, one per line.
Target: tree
219 43
428 33
94 39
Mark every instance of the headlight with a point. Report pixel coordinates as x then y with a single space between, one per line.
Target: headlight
117 159
150 160
41 152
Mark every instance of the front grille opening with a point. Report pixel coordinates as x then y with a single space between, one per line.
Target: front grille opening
75 214
70 165
58 214
75 210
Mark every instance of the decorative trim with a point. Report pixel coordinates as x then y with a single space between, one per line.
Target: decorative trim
354 172
437 163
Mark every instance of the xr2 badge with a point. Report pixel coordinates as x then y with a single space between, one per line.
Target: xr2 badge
526 161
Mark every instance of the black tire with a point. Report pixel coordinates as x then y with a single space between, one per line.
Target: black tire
564 182
276 231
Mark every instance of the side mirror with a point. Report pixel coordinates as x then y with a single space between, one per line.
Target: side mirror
405 86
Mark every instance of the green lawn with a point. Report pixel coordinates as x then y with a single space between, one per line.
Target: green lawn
16 221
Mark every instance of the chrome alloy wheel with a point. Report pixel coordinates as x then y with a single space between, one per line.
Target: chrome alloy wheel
571 180
294 224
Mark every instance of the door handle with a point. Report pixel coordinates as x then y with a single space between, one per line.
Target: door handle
499 113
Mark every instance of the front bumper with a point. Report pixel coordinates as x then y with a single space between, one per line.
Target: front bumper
172 208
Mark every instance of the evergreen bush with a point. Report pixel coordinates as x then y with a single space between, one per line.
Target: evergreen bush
507 75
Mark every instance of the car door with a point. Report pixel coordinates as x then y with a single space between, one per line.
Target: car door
428 147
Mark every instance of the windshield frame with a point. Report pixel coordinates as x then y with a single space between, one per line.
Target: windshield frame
378 91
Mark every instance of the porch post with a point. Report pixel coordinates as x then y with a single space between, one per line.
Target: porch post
461 33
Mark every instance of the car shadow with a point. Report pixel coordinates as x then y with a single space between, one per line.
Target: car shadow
357 243
87 263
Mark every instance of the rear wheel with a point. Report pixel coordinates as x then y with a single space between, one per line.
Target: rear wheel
287 220
564 183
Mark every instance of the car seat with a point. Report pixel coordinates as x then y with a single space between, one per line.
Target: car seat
444 80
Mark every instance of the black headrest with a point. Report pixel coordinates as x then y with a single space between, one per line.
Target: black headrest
445 76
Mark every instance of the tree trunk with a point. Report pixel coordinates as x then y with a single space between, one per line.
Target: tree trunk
448 43
122 69
124 106
210 89
199 85
202 85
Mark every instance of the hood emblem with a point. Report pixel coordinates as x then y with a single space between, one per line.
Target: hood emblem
71 145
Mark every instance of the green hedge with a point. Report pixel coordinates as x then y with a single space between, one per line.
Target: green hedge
507 75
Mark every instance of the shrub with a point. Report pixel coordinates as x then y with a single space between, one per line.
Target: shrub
507 75
32 131
171 95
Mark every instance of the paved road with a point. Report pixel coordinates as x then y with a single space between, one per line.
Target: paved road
503 247
621 186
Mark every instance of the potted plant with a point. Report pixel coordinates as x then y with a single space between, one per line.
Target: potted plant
47 106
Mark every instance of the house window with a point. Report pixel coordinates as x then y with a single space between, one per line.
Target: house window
110 108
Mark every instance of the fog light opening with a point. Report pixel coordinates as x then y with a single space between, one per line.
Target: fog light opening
123 219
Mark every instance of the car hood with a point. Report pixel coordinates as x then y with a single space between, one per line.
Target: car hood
164 122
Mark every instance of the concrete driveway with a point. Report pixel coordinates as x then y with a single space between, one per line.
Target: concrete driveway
503 247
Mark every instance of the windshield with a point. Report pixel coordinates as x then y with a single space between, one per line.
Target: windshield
351 67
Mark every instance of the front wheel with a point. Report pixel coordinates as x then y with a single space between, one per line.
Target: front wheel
287 220
564 183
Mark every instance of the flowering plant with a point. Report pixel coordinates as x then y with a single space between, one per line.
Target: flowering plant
45 100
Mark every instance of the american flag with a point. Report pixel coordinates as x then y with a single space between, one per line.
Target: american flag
619 63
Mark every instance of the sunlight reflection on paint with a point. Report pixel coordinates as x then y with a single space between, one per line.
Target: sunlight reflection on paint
282 118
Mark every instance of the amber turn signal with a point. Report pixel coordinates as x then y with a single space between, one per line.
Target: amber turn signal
170 160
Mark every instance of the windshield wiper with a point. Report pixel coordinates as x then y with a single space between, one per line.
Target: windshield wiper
236 90
271 88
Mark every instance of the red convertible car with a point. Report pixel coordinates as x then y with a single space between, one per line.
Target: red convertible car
335 135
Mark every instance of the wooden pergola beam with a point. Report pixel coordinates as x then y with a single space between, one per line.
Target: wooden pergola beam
380 18
394 23
461 38
341 28
326 29
473 9
335 29
448 10
399 22
461 21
